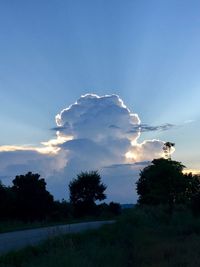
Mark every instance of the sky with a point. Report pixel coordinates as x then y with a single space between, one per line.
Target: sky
126 63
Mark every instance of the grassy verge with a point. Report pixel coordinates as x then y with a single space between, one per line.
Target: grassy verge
141 238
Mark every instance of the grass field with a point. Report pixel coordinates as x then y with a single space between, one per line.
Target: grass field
141 237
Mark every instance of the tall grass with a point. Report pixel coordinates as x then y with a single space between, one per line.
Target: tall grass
142 237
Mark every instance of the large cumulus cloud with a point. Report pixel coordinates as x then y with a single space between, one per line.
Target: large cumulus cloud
100 127
98 119
104 132
93 133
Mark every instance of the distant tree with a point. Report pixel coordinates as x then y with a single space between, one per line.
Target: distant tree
195 204
167 149
33 201
193 186
193 192
7 202
61 210
108 210
3 201
163 182
115 208
84 191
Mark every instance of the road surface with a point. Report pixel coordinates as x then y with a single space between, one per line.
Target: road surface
20 239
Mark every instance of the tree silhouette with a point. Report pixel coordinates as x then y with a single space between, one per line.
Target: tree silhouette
3 201
33 201
84 191
7 202
163 182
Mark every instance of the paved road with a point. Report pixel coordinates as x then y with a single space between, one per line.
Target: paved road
20 239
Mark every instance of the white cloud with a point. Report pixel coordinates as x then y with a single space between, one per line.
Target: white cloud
147 150
20 161
93 133
98 118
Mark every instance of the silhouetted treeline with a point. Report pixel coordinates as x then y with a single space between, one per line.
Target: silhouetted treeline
164 183
27 199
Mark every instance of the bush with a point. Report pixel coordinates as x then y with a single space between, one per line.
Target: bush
115 208
195 204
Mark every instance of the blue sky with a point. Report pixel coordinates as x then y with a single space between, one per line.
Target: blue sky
147 52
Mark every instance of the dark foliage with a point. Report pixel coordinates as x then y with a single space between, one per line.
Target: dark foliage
33 201
195 199
5 201
110 209
163 182
115 208
61 210
193 186
84 191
